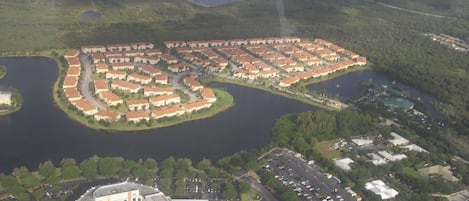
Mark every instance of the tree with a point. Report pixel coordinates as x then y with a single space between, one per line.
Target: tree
109 166
151 164
229 192
89 167
49 171
69 169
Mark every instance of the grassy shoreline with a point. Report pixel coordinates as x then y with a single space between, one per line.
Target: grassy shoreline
3 71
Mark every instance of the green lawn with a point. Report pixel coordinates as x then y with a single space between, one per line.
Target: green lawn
324 147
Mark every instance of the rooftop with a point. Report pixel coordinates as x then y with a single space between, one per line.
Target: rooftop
380 188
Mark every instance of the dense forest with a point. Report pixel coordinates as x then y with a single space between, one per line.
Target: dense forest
304 130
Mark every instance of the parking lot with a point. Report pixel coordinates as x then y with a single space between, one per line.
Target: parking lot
307 180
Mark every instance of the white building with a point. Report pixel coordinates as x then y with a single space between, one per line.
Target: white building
5 98
414 147
380 188
390 157
398 140
344 163
126 191
362 142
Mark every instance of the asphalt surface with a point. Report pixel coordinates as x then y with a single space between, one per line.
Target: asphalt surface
85 82
295 171
265 194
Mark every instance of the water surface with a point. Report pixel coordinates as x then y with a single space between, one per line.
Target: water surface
41 131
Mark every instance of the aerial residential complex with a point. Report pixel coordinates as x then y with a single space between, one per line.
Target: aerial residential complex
140 77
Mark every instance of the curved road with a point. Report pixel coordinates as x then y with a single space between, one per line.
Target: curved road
85 82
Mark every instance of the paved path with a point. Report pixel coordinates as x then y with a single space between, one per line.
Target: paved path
410 10
263 192
85 82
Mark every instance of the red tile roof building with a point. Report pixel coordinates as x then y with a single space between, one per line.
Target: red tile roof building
125 86
137 116
177 68
135 105
170 111
110 98
142 45
192 83
100 85
85 106
71 53
115 74
163 100
107 115
161 79
70 81
74 71
157 91
93 48
207 94
102 68
123 66
138 78
196 106
149 70
72 94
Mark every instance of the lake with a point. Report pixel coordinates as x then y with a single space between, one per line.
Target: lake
347 87
41 131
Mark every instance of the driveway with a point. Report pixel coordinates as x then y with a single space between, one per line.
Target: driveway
85 82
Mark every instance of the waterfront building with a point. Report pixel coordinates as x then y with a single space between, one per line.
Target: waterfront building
5 98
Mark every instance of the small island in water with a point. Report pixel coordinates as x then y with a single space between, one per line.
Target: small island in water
10 100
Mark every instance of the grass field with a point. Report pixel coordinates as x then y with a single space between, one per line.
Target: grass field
324 147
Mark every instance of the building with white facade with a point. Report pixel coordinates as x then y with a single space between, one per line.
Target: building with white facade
381 189
128 191
5 98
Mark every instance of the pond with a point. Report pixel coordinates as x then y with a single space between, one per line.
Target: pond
90 15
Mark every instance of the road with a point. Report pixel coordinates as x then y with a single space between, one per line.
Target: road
85 82
263 192
409 10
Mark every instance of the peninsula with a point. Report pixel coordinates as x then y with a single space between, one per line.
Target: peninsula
136 86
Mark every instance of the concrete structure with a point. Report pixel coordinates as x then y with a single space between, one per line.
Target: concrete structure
344 163
414 147
398 140
459 196
380 188
391 157
376 160
445 172
362 142
5 98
